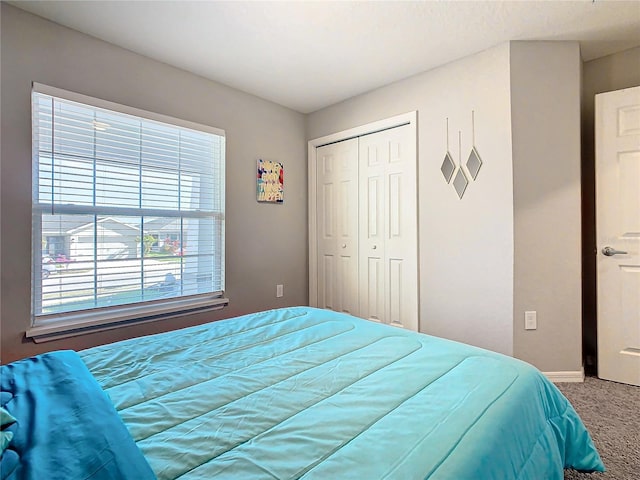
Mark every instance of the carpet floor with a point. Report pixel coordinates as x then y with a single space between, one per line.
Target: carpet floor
611 412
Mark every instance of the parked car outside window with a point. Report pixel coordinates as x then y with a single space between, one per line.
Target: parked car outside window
48 267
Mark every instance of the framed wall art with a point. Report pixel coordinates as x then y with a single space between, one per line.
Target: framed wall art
270 183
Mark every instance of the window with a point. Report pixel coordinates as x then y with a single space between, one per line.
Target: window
128 213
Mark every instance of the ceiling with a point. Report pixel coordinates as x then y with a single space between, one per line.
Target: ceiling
308 55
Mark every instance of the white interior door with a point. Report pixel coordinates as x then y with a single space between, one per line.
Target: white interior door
389 228
618 234
337 226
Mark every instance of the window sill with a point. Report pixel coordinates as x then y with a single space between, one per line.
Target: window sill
82 323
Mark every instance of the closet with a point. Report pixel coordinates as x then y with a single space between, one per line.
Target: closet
366 237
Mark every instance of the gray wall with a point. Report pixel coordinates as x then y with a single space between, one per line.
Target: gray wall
266 244
545 124
466 246
613 72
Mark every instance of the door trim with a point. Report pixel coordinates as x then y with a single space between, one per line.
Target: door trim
409 118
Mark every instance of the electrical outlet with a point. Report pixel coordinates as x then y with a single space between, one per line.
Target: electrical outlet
279 290
530 320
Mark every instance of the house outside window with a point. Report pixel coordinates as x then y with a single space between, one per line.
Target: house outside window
55 245
129 207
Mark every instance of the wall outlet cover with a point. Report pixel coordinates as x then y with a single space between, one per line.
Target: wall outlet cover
530 320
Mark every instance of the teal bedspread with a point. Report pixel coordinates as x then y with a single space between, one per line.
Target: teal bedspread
313 394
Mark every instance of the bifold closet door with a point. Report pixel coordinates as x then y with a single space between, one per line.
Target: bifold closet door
388 237
337 226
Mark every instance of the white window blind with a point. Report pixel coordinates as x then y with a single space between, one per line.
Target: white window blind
128 210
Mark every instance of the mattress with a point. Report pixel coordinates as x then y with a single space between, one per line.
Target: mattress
307 393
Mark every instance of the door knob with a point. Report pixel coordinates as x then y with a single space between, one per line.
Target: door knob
610 251
344 245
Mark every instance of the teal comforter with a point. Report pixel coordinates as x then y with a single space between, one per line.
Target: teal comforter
313 394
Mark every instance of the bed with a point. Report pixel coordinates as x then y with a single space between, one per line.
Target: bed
288 393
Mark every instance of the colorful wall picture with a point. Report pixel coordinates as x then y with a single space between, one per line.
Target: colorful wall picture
270 186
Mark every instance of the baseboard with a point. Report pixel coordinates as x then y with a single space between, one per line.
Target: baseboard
566 377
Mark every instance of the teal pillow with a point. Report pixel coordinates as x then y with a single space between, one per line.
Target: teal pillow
5 438
6 418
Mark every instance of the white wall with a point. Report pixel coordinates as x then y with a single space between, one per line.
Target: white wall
266 244
466 246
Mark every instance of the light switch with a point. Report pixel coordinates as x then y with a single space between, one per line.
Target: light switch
530 320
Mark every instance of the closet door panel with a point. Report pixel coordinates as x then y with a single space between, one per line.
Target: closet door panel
326 282
388 175
373 157
337 226
372 300
402 235
395 291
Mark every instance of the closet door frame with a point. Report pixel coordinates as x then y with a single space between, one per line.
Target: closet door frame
409 118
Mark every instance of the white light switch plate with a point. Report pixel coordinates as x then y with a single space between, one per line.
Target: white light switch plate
530 320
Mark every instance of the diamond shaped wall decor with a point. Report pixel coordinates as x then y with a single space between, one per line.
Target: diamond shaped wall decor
460 182
474 162
448 167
